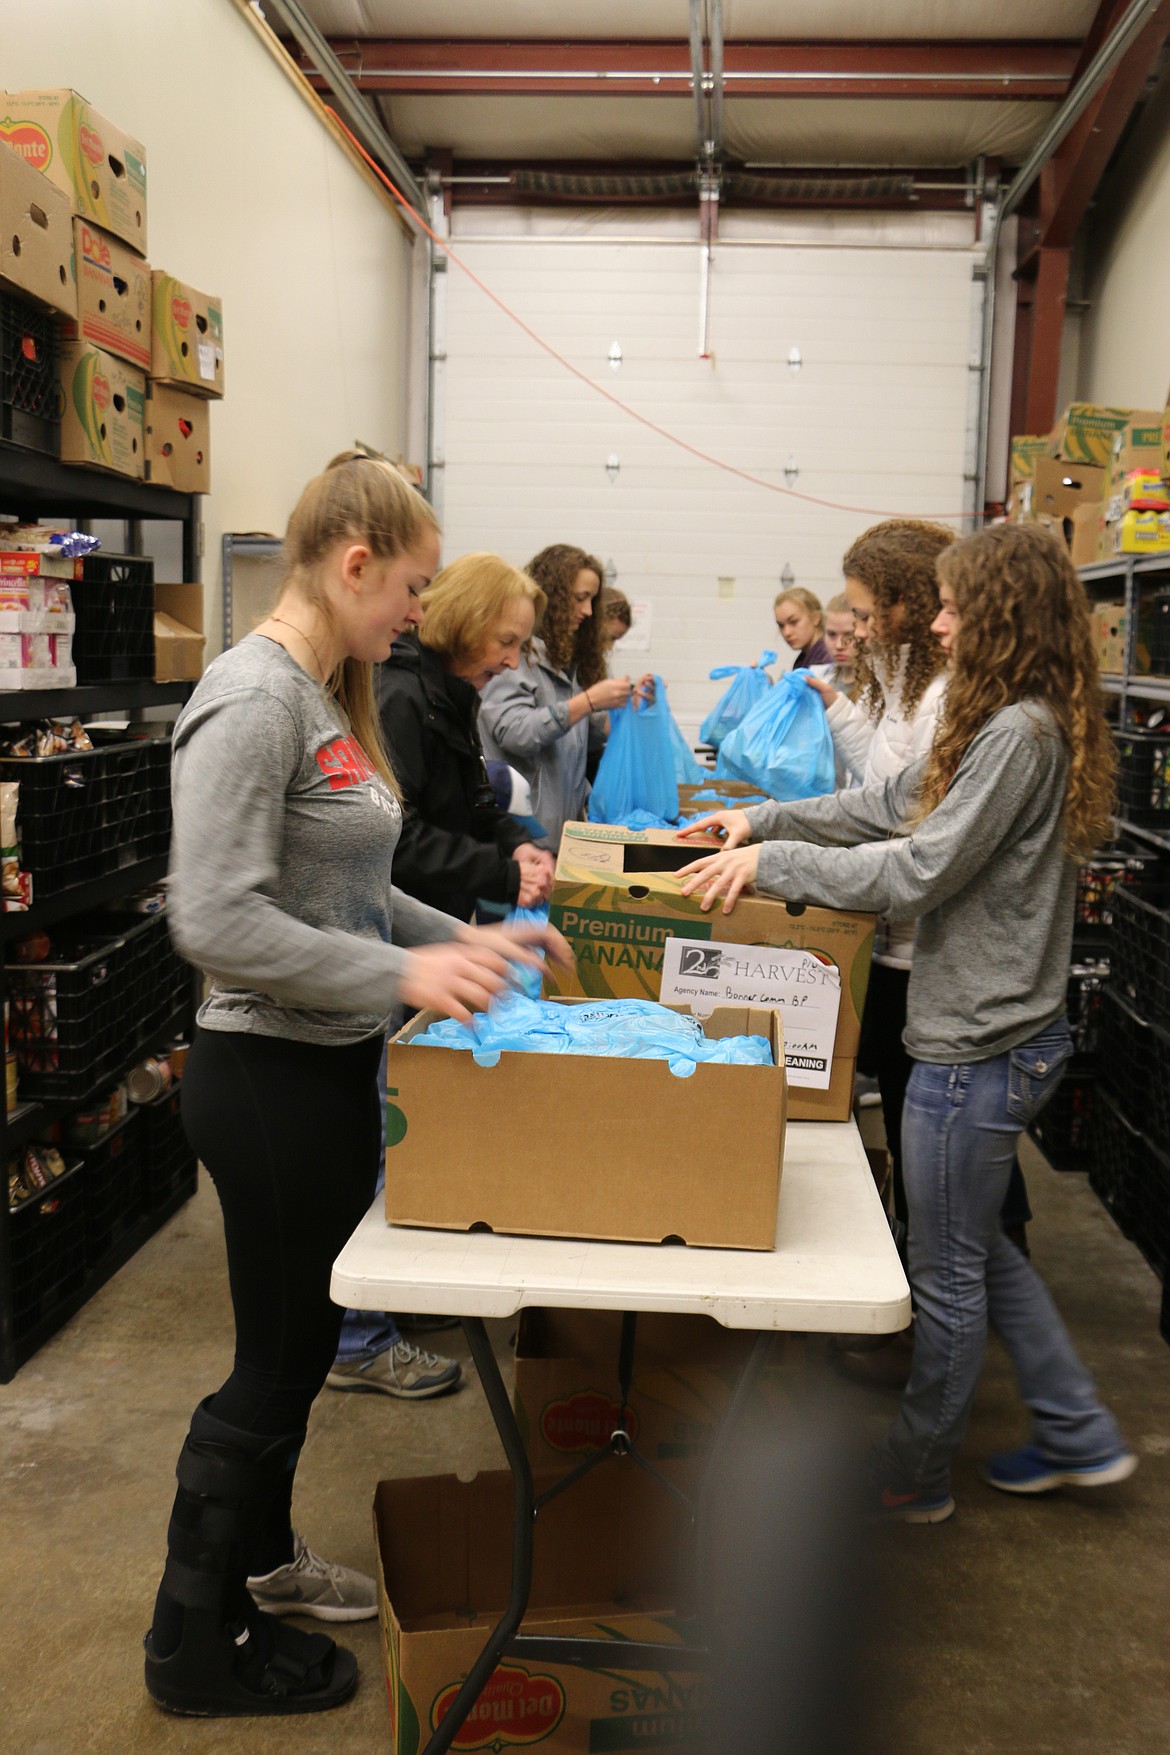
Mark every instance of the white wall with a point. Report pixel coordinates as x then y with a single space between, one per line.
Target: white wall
877 418
249 197
1124 337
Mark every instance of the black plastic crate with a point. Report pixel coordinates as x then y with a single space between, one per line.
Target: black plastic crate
115 1195
1125 864
169 1162
1114 1155
1143 783
160 796
31 399
1150 1205
1063 1128
1140 954
63 1016
46 1239
1135 1066
88 813
1155 632
114 605
153 980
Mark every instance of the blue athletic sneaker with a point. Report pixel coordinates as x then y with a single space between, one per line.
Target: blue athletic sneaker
1028 1470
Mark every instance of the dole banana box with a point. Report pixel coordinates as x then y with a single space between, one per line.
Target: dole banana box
102 421
36 236
617 898
606 1565
187 337
113 295
178 439
566 1394
102 170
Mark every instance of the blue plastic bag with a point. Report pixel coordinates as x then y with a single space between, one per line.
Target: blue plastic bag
637 769
528 981
784 746
623 1029
688 770
750 682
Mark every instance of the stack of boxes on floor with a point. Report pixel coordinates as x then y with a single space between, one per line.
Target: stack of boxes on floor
620 1149
105 362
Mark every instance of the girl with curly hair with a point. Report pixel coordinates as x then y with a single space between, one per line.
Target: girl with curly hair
980 842
538 717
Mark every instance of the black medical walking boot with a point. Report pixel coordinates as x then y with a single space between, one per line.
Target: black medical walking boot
211 1652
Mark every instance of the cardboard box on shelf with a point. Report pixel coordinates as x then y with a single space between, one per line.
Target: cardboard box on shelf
1088 535
1109 627
618 900
1058 488
101 169
1137 446
1141 533
187 338
178 633
102 422
468 1146
1026 448
113 295
605 1565
36 238
685 1370
37 661
178 439
1086 431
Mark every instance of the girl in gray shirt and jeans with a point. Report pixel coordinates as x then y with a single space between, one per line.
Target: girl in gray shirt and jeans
979 843
286 816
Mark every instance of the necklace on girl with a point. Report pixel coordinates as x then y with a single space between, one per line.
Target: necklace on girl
281 622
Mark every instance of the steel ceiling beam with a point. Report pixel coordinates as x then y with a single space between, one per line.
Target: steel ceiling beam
1021 71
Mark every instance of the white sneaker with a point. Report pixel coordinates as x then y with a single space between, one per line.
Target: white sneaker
405 1371
309 1585
865 1092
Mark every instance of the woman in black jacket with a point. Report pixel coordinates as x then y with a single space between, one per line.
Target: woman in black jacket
457 847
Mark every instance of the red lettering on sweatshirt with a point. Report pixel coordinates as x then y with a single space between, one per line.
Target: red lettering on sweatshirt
344 763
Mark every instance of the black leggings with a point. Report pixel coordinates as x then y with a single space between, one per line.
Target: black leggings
289 1132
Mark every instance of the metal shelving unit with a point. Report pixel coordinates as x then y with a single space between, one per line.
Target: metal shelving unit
32 487
1132 573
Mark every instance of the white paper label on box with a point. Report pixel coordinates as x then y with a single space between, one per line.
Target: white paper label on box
806 992
207 361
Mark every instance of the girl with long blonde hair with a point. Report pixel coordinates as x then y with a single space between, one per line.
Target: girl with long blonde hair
286 818
980 843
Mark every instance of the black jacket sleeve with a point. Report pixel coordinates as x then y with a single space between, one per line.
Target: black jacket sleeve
439 864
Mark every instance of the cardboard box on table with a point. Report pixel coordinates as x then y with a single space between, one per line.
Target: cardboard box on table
607 1563
113 295
178 439
102 421
178 633
186 337
617 898
36 235
741 791
685 1370
101 169
572 1145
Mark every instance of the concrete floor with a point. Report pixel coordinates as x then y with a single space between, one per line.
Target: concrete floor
1030 1627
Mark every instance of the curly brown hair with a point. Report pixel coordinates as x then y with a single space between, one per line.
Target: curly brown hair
1024 635
895 561
581 649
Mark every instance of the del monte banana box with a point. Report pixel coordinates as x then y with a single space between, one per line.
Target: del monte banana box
102 170
187 341
566 1395
618 899
605 1566
104 400
36 238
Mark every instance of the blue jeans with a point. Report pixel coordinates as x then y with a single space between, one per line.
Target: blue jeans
959 1132
366 1333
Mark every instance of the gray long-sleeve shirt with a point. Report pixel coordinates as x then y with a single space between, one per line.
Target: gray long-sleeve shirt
280 857
986 874
524 720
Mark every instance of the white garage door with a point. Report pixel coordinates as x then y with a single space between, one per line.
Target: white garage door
881 310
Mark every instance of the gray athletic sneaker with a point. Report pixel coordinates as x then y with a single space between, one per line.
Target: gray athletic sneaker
402 1370
309 1585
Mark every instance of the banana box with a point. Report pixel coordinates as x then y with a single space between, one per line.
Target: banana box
103 413
101 169
187 340
113 295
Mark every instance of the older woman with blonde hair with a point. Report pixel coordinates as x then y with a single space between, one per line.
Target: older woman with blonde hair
457 847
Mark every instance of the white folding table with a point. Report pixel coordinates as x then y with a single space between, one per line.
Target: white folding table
834 1270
